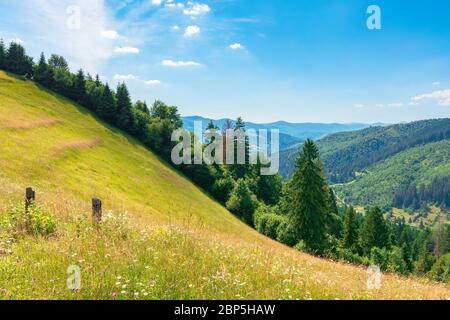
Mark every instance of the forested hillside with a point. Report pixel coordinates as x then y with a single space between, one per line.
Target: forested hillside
384 183
400 166
346 154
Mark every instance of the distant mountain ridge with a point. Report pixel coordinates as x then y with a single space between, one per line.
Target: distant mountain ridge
291 134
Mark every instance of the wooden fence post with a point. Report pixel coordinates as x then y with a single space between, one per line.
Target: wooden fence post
30 196
96 211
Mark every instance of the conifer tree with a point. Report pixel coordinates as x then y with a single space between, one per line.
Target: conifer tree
79 87
107 106
124 107
40 74
308 199
240 170
374 232
350 228
17 61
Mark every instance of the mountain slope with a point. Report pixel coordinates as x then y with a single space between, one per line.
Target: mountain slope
345 154
176 243
415 166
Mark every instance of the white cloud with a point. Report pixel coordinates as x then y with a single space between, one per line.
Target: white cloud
55 24
122 77
436 83
110 34
175 28
191 31
172 5
157 2
153 82
236 46
396 105
442 97
177 64
15 40
358 106
196 9
126 50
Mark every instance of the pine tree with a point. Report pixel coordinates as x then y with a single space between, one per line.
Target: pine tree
41 73
79 87
308 199
124 106
374 232
2 54
107 106
240 170
350 228
17 61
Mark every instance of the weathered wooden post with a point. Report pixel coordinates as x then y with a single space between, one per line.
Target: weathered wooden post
96 211
30 196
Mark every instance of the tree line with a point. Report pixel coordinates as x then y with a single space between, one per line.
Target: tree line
413 197
302 213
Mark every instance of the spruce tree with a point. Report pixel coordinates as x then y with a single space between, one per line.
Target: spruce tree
350 228
17 61
107 106
124 107
79 87
374 232
240 170
308 199
40 74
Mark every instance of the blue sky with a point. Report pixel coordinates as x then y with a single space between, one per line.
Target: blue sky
265 60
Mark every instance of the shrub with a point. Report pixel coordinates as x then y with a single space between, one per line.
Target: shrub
396 262
441 269
34 222
267 221
349 256
242 202
380 257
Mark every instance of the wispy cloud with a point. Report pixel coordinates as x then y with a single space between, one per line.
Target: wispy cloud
152 82
110 34
127 50
71 28
236 46
196 9
178 64
192 31
122 77
441 96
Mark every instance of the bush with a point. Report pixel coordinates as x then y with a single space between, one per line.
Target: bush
349 256
380 258
396 262
286 234
441 269
242 202
34 222
268 222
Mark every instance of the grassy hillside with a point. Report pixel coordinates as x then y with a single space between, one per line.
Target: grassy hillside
162 237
